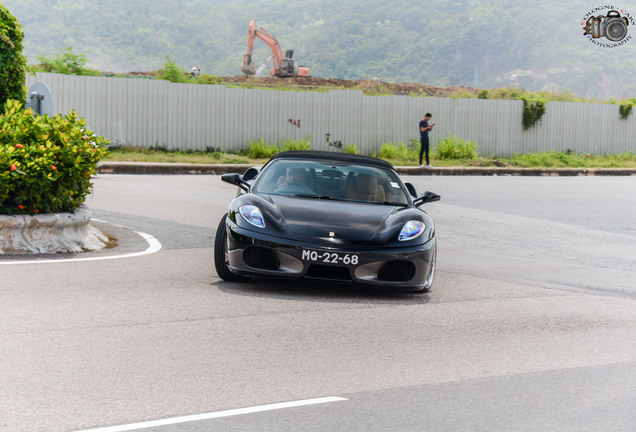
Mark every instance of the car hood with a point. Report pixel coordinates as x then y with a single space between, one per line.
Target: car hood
342 221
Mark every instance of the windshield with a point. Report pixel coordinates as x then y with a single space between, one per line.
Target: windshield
329 180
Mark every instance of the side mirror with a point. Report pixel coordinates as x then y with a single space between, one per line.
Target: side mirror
250 174
426 198
236 180
411 189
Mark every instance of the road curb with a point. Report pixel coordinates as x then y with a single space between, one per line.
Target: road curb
168 168
49 233
217 169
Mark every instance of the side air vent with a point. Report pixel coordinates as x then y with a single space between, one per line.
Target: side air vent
397 271
261 258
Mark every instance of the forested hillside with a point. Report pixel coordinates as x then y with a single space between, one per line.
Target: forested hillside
438 42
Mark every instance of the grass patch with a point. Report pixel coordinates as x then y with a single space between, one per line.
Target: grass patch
111 243
572 160
449 152
163 155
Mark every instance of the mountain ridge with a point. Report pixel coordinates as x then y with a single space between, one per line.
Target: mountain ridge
533 45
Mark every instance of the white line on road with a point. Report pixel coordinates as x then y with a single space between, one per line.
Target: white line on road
218 414
153 246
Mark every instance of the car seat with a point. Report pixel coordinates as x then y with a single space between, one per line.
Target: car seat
365 187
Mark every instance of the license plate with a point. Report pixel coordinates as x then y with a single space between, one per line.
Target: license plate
329 257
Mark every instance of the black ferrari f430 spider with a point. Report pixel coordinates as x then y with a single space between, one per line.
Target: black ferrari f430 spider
330 216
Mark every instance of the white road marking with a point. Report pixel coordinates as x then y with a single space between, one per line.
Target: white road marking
153 246
218 414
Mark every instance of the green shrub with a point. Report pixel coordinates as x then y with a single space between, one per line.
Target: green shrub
260 150
533 109
400 152
534 104
391 151
508 93
171 72
453 147
352 149
46 163
67 63
290 144
208 79
461 93
625 107
13 64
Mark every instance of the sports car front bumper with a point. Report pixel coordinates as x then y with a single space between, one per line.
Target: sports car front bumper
252 253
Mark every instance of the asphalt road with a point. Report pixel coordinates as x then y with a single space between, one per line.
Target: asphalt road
530 325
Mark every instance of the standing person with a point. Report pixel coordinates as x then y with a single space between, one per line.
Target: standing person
425 127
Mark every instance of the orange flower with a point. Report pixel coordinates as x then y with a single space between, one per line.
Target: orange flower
36 211
13 167
53 167
21 207
19 145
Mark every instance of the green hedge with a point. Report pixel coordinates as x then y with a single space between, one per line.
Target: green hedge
46 163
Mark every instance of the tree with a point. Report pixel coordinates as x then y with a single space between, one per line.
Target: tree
66 62
172 72
13 64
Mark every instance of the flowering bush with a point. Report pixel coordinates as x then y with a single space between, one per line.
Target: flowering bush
46 163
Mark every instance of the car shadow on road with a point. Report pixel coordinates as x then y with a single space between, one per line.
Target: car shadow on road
320 291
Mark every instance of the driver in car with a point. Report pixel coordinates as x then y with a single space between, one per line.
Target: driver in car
293 175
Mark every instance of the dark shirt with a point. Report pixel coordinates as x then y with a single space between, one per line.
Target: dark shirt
423 124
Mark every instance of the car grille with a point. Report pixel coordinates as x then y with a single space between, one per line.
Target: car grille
397 271
261 258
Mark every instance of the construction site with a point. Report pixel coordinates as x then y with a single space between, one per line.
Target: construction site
374 86
286 71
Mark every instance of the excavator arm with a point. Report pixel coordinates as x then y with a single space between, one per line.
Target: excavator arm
252 33
283 66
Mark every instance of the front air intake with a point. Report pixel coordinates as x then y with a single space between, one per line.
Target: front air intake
397 271
261 258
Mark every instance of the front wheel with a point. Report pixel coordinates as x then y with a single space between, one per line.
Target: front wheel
220 255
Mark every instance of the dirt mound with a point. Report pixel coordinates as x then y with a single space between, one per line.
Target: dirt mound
373 86
367 86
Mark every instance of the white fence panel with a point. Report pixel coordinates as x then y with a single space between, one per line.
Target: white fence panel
148 113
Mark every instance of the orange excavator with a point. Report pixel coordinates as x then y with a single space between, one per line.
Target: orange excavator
283 66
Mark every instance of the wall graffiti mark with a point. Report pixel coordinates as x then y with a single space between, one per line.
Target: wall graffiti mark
336 144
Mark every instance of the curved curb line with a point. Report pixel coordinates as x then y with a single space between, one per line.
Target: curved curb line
153 246
218 414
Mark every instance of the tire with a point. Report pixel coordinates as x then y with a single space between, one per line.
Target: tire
220 255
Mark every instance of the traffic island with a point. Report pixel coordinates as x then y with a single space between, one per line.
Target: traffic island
49 233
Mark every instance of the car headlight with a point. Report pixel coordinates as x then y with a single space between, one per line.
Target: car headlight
252 215
412 229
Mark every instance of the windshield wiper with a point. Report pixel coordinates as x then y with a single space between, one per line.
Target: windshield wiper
316 196
391 203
